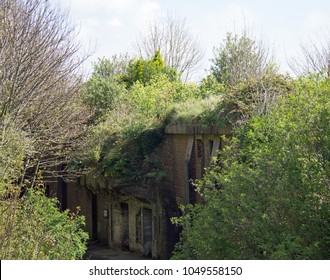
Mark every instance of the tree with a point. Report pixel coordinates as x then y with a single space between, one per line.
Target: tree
105 88
42 121
180 49
145 70
239 58
133 122
314 58
32 228
247 79
267 194
40 89
250 98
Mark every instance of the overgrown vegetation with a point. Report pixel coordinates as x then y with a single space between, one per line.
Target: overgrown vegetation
42 121
32 227
132 122
141 97
266 195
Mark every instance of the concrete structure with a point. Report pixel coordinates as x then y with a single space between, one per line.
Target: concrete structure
135 216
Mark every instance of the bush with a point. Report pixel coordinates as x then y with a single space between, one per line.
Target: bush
267 195
32 227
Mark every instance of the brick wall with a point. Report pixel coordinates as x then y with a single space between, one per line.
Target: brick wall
173 152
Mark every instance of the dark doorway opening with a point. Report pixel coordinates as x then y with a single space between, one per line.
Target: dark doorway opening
147 232
94 216
125 226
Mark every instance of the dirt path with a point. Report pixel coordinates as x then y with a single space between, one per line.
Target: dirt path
103 252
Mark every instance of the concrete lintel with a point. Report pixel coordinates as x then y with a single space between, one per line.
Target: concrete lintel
196 129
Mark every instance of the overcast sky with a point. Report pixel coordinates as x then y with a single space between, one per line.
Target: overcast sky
114 25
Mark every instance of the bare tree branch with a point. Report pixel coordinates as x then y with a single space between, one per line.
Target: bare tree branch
41 79
314 58
179 47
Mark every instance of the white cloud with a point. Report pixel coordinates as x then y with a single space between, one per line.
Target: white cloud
110 25
118 4
231 18
92 6
147 10
149 7
115 22
101 8
237 16
316 19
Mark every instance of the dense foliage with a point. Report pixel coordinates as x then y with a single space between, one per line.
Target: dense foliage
103 89
130 121
32 227
267 195
249 98
239 58
42 121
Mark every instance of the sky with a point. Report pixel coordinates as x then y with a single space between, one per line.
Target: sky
112 27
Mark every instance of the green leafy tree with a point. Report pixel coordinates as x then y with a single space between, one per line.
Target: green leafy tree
209 86
104 88
132 128
245 77
267 194
145 70
32 228
252 98
239 58
181 50
157 97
